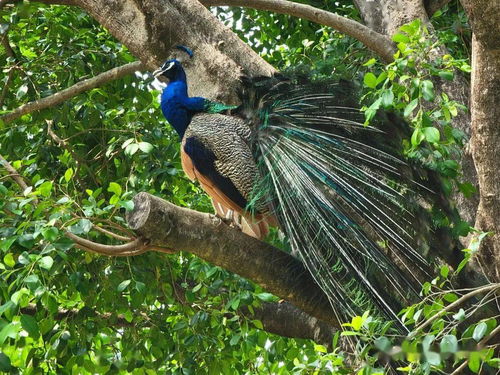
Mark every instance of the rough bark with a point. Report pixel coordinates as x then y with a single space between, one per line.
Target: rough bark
166 225
484 17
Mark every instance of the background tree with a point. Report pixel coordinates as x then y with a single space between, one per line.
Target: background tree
81 135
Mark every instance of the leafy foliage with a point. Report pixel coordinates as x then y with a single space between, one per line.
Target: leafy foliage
64 310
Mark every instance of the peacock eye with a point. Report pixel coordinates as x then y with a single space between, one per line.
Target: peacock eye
168 67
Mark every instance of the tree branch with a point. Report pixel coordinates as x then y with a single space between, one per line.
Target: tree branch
378 43
458 302
166 225
13 173
72 91
279 318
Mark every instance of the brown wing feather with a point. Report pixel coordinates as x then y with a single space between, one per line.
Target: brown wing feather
257 226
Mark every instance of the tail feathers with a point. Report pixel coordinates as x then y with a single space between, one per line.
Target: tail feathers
350 205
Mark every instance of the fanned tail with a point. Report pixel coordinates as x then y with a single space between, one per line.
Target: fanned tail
348 203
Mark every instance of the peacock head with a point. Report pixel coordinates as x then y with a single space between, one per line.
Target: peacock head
172 69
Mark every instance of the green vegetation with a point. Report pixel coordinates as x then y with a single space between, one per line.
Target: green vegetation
67 311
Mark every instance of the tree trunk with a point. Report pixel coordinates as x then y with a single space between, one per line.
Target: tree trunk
484 17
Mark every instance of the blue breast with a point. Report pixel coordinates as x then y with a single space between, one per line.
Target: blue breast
178 108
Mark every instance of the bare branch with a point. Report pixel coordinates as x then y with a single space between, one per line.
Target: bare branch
378 43
72 91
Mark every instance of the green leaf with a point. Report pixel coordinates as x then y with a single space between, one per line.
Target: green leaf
410 107
475 362
45 188
257 324
6 306
81 227
266 297
26 240
400 38
127 205
115 188
370 62
9 330
357 323
123 285
7 243
428 90
431 134
131 149
235 339
480 331
417 137
140 287
449 344
128 316
50 233
444 271
433 358
46 262
445 74
30 325
370 80
387 98
383 344
68 174
460 315
21 91
145 147
127 142
9 261
5 364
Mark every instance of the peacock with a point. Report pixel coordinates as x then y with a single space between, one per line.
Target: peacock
296 155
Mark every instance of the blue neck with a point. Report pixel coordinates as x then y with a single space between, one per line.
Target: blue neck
176 106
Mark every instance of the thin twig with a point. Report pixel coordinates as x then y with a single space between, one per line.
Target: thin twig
72 91
112 234
378 43
453 305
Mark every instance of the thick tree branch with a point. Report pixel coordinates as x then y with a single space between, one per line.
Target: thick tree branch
72 91
167 225
286 320
378 43
279 318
